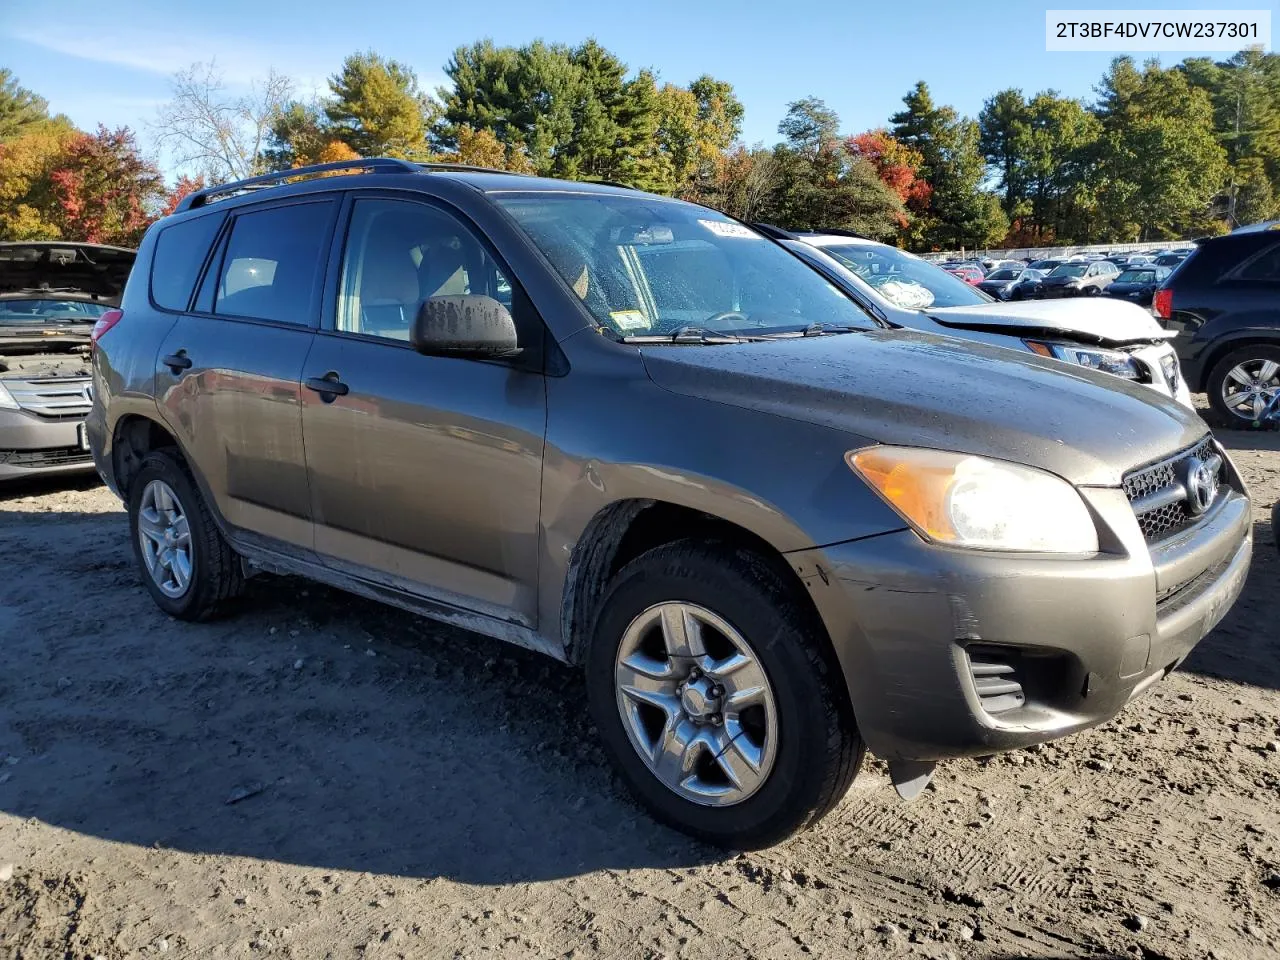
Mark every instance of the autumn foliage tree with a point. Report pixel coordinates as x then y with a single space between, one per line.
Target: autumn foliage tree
898 167
181 190
105 191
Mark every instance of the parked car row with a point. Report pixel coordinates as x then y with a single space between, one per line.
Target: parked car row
782 497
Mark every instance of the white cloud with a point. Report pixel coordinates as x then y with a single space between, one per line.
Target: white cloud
150 51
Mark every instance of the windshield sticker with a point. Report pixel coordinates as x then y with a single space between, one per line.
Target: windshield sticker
629 320
722 228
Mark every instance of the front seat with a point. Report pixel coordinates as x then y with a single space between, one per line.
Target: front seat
388 288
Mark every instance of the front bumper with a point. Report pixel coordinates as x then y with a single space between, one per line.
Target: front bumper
37 446
917 628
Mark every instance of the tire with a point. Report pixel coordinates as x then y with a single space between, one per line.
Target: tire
161 492
816 749
1250 357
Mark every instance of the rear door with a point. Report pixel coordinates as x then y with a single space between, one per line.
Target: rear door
425 472
228 373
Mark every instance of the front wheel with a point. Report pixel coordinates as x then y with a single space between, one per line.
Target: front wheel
718 697
185 563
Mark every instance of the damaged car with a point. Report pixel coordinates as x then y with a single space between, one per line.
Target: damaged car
641 437
904 290
51 295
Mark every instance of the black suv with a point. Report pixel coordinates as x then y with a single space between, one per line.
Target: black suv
1223 302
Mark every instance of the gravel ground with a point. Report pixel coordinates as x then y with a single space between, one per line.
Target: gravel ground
323 777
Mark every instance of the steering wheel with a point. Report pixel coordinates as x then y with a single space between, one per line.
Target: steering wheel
724 315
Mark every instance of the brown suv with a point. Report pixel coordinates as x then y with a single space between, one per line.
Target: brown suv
637 435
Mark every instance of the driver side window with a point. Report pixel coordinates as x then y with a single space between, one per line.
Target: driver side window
400 253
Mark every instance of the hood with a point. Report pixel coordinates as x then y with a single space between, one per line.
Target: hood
1099 320
1061 280
97 271
919 389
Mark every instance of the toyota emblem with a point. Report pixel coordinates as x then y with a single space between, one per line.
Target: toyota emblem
1202 485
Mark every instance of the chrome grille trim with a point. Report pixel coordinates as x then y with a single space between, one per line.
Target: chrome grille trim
1157 496
53 397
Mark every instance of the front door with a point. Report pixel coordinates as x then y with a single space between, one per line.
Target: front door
424 470
228 374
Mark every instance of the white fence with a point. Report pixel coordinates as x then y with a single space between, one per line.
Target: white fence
1050 253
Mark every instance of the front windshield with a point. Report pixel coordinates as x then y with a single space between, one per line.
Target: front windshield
1006 274
1137 276
1045 264
645 266
27 312
904 279
1070 270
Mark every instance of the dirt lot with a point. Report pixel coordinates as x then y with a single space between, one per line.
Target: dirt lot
323 777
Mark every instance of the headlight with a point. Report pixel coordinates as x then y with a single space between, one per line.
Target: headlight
968 501
6 399
1108 361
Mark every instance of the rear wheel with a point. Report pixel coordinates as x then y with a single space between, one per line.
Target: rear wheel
718 698
185 563
1242 383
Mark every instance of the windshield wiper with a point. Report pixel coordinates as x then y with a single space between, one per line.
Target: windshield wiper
690 335
817 330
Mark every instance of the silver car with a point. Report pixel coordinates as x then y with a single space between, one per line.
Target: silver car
51 295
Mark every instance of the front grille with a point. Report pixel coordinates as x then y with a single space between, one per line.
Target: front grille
56 398
1158 496
995 680
56 457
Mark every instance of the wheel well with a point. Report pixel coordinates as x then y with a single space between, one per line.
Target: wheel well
135 437
625 530
1221 350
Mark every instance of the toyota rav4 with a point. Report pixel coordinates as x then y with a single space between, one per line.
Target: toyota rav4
639 436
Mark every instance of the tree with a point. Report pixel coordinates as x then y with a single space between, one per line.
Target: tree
897 166
482 148
743 183
1159 160
27 201
960 213
20 109
1005 140
696 125
181 190
810 125
219 135
377 109
105 190
822 184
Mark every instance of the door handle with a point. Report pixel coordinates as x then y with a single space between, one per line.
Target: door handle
177 362
329 387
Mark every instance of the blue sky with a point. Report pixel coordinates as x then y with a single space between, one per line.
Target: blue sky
110 62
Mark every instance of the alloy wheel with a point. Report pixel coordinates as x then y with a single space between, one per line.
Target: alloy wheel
1249 386
165 537
696 703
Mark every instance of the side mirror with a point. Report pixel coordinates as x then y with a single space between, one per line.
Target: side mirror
467 325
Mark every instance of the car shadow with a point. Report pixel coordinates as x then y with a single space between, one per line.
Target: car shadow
311 727
320 729
1245 646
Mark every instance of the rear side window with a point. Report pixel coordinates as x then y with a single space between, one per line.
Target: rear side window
1264 267
272 261
180 253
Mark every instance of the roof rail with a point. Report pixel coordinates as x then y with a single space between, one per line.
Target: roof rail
842 233
376 165
447 167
